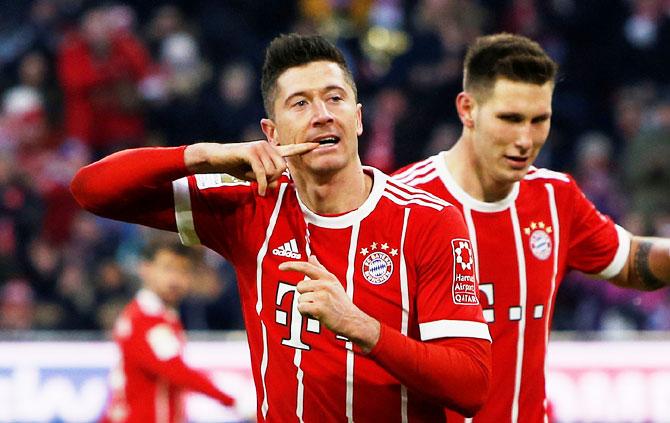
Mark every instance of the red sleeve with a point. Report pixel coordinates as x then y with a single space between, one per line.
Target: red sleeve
595 244
174 369
454 372
132 185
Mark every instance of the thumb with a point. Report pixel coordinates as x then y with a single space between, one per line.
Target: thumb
315 261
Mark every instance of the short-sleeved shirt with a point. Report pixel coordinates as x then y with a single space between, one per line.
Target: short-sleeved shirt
403 257
525 243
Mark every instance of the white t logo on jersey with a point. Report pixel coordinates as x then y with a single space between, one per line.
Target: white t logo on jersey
293 319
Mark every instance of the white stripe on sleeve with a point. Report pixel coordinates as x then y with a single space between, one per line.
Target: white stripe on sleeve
620 257
183 212
454 328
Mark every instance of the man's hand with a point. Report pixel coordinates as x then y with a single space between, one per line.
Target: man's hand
257 161
322 297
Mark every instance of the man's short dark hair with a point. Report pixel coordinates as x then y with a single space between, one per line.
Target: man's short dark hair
292 50
152 247
506 56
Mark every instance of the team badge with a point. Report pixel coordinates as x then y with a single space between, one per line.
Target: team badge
539 239
464 287
378 265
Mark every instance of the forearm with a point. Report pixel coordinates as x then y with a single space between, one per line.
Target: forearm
132 185
453 372
648 265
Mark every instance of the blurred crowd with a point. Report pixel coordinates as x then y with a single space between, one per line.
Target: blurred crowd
81 79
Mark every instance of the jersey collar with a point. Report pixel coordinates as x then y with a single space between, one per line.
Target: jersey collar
349 219
465 198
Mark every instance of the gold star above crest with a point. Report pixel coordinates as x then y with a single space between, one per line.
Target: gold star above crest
373 246
548 229
526 231
394 252
533 225
364 251
385 246
540 225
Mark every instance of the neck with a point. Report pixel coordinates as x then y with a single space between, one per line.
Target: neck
471 175
335 193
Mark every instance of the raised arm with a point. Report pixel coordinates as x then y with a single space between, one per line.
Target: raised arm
648 265
135 185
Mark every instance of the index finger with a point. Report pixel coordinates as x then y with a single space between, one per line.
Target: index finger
294 149
306 268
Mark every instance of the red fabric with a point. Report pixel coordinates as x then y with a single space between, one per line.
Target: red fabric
525 244
425 367
100 93
132 185
149 384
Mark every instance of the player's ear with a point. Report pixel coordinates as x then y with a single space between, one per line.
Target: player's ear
270 130
359 119
465 104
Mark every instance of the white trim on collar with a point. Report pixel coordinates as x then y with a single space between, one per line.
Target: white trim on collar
348 219
465 198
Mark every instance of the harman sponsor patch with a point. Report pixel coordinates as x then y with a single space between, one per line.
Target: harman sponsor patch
464 288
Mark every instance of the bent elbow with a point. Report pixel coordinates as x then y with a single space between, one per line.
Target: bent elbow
88 196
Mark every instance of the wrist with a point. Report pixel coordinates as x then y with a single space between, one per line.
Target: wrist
196 157
366 332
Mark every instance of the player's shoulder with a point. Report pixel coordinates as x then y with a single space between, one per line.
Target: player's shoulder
407 196
418 172
537 176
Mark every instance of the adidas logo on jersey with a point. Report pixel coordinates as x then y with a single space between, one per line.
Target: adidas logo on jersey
289 249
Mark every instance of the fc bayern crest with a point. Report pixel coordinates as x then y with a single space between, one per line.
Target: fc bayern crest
377 267
539 239
540 244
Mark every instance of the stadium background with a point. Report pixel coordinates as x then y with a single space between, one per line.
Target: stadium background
182 71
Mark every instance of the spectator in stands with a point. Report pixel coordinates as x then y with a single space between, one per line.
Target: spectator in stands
100 67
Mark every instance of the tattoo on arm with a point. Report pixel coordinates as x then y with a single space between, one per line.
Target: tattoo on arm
642 269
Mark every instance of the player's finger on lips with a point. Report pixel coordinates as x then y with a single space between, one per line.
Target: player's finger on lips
293 149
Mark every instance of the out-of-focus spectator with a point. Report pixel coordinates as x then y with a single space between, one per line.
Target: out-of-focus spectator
113 289
176 114
390 106
17 305
100 67
232 106
647 168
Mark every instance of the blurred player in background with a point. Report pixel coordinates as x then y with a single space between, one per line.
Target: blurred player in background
528 226
150 382
385 326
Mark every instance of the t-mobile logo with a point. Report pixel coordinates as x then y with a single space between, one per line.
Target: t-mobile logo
293 319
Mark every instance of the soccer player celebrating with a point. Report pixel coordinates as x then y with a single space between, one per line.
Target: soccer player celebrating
528 226
359 293
150 381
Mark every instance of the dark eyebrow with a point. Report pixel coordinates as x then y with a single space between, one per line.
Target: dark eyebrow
323 90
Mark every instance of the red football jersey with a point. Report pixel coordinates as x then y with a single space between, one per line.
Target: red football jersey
404 258
525 243
150 381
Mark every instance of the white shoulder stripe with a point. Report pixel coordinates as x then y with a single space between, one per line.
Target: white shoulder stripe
422 179
454 329
408 193
184 213
418 201
620 257
417 169
547 174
